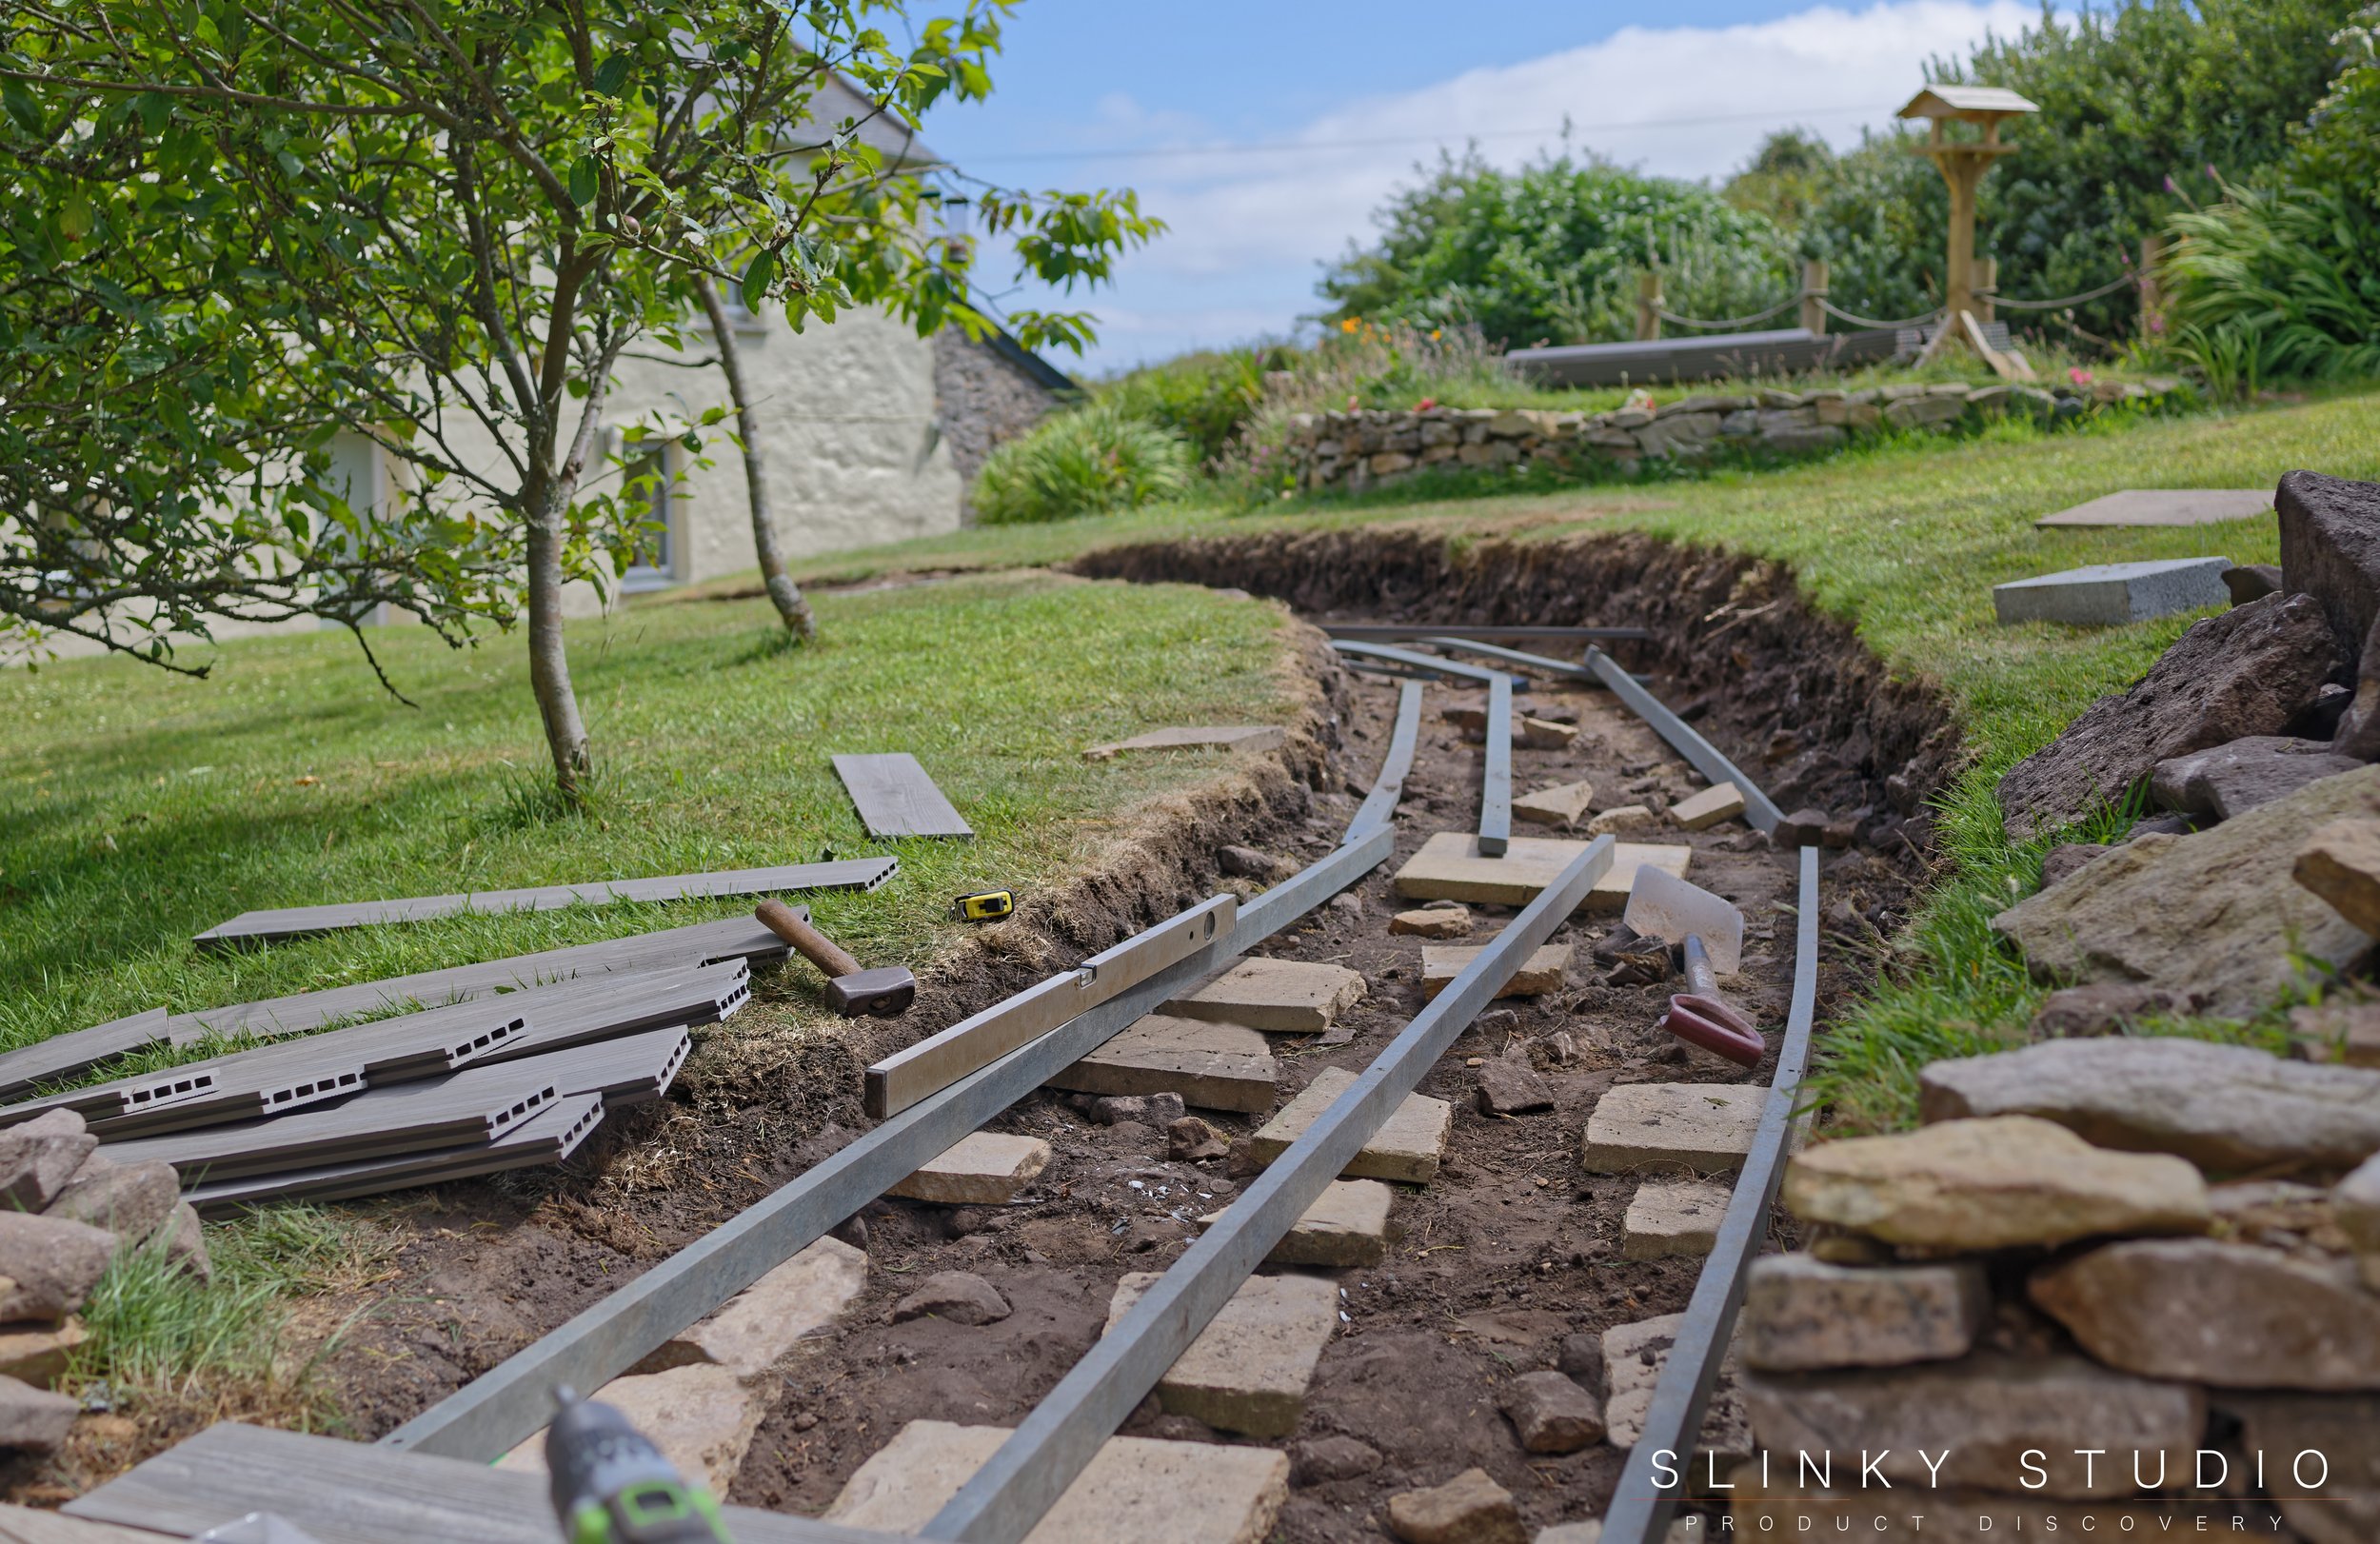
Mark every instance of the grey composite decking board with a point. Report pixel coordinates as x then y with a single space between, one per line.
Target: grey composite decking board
1379 805
1707 357
707 995
251 927
635 1069
354 1493
730 937
78 1051
549 1137
895 798
1391 632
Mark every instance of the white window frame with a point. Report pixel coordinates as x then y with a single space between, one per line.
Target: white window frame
643 578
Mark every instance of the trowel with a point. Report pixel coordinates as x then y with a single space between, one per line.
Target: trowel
1710 931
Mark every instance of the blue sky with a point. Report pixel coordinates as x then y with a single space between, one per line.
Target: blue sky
1265 134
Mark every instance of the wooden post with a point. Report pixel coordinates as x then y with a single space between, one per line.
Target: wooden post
1813 297
2151 289
1648 305
1987 282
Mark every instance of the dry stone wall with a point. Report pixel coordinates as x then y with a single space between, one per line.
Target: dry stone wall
1367 447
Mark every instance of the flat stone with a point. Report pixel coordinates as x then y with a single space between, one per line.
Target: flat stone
1451 867
1286 997
1407 1147
1207 1062
2233 1315
1633 1356
760 1326
1719 801
2355 1207
1706 1127
1439 923
1143 1109
2343 1032
1989 1412
1248 1370
1544 734
1510 1086
700 1415
2166 507
49 1264
1673 1218
2216 915
2247 672
1542 972
186 1242
1347 1226
1245 737
1626 821
1561 804
132 1201
2345 1428
39 1157
1469 1509
2003 1184
1802 1315
1133 1488
1551 1414
1320 1460
36 1353
2233 779
984 1167
2226 1108
2340 861
2112 594
961 1296
33 1418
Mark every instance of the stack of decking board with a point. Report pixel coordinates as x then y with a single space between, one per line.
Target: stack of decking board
515 1074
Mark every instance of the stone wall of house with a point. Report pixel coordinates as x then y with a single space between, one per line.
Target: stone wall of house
1368 448
981 400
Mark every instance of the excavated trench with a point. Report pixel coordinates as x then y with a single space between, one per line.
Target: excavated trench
1505 1261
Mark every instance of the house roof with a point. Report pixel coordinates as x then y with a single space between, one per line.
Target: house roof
1969 102
897 141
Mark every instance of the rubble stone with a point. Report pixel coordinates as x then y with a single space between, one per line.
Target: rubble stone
960 1297
2340 861
2345 1428
1673 1218
1553 1414
1443 923
39 1157
33 1418
1509 1086
36 1353
186 1242
1559 806
2233 779
132 1201
1802 1315
47 1265
1633 1356
1469 1509
2102 1008
1320 1460
2345 1032
2355 1206
2331 546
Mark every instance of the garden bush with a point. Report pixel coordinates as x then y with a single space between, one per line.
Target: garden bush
1088 460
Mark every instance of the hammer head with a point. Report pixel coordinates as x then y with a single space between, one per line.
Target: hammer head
886 993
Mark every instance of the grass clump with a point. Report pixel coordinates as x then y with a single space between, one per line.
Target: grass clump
1088 460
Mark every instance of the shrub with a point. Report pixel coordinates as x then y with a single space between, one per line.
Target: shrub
2278 285
1203 397
1089 461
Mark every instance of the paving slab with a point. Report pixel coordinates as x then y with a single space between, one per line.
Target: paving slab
1407 1147
1248 1370
702 1417
1451 867
1719 801
2112 594
1633 1356
984 1167
1230 736
1562 804
1210 1063
1347 1226
757 1327
2166 507
1673 1217
1706 1127
1285 996
1133 1488
1542 972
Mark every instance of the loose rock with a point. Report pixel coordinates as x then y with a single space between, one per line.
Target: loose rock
2233 1315
2348 1031
2345 1428
2340 862
38 1157
1322 1460
186 1244
1580 1359
1559 806
36 1353
1541 733
33 1418
1801 1314
1553 1414
2106 1008
961 1296
1160 1110
2331 546
2252 581
131 1201
2068 857
2233 779
1469 1509
2355 1206
1433 922
1246 863
2001 1183
1509 1086
1670 1217
2226 1108
1802 828
1192 1140
1627 821
49 1266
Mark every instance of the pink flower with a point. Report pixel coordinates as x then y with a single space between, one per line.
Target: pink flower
1425 404
2079 376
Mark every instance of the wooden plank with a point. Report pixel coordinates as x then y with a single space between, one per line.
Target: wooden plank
1451 867
353 1492
977 1042
78 1051
252 927
731 938
1379 805
895 798
1211 1064
547 1137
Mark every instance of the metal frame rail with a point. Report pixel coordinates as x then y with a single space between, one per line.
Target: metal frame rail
1759 810
1496 782
1379 805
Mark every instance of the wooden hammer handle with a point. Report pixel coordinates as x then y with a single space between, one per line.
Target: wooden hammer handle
815 947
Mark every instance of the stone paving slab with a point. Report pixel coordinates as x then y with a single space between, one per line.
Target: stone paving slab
1673 1217
1562 804
1347 1226
1706 1127
984 1168
2112 594
1697 812
2166 507
1541 973
1248 1370
1407 1147
1451 867
1133 1488
702 1417
1210 1063
1633 1356
760 1326
1285 996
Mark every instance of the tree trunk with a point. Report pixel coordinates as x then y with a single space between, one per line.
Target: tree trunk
549 666
792 607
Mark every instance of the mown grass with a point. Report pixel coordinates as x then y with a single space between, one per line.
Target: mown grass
1904 539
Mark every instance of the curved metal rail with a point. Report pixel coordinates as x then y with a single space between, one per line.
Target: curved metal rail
1496 782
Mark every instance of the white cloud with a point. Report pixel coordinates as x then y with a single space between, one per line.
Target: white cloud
1684 102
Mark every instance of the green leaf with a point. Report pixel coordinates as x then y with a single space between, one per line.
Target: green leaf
758 274
613 73
586 180
74 217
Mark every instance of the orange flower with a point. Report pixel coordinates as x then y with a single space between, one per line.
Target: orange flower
1350 324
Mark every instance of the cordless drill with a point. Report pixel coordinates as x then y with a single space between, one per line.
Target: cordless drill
612 1486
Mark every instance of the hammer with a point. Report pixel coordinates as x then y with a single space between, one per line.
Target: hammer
849 990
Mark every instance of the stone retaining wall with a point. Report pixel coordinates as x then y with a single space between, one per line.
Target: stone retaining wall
1367 447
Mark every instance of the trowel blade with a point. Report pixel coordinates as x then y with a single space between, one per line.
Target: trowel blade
1666 906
